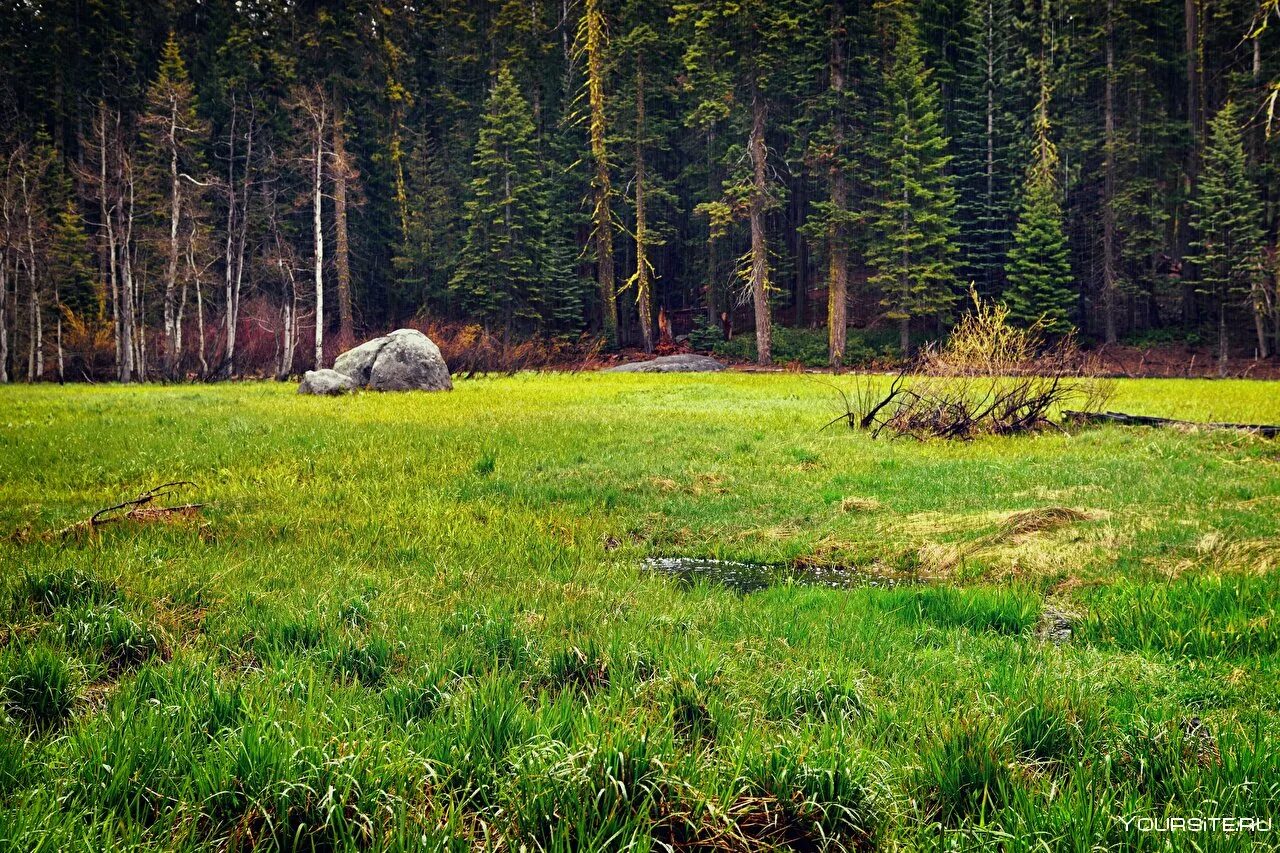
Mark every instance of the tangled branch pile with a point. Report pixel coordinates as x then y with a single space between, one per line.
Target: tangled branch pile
989 378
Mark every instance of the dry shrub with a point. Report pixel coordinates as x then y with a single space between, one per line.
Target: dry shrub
472 350
989 378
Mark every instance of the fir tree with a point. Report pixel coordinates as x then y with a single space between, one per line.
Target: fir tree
913 225
509 271
71 267
984 144
1039 266
1226 216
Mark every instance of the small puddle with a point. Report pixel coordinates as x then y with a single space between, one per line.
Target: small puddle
745 578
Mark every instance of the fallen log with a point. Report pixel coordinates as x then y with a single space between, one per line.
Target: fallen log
1267 430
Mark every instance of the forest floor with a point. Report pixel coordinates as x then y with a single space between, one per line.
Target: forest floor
425 620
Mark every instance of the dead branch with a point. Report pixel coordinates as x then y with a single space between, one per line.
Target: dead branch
138 509
1265 430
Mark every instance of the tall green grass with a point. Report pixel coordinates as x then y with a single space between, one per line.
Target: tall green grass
420 622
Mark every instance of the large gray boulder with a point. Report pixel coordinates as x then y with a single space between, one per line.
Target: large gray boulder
328 383
404 360
683 363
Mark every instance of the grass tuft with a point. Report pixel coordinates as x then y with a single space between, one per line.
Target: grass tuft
121 642
64 587
39 687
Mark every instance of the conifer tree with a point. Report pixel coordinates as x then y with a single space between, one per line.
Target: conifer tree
913 225
1225 217
508 273
985 143
1039 265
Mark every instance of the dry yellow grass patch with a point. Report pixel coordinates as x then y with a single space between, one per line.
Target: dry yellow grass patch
853 503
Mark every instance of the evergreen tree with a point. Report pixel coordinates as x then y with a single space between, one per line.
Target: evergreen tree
71 267
508 272
913 224
1039 265
1226 216
985 144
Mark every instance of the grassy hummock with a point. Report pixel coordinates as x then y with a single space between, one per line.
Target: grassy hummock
419 621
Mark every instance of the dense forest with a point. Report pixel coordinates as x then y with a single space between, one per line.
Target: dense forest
209 188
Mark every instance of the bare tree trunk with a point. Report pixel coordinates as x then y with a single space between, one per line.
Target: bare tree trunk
341 258
1109 186
35 346
62 371
107 214
1222 337
713 266
1261 309
602 214
644 299
759 248
35 350
228 258
837 247
4 316
171 332
318 231
195 276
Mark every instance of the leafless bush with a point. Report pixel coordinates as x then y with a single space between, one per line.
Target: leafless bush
471 350
989 378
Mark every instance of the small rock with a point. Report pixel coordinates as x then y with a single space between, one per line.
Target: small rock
329 383
1054 627
682 363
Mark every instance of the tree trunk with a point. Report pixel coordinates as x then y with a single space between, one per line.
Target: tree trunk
644 302
713 265
35 346
317 188
57 340
837 247
124 221
1222 337
196 283
601 183
171 271
35 342
759 248
229 256
341 257
4 317
1109 186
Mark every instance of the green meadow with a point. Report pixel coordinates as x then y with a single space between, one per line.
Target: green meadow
425 621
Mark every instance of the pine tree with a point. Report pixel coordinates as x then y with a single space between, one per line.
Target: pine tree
1039 266
913 225
1225 217
509 271
985 144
